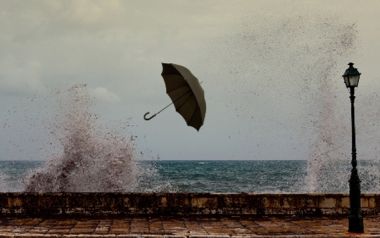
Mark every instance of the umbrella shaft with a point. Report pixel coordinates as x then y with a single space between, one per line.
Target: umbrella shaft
150 117
187 93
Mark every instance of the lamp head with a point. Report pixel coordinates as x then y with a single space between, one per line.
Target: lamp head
351 76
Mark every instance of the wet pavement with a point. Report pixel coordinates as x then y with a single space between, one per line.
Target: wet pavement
196 227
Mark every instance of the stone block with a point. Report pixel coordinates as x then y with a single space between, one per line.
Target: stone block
371 203
327 202
364 202
345 202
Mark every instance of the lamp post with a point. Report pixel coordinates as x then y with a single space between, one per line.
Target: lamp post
351 78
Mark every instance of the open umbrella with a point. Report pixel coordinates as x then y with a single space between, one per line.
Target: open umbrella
186 94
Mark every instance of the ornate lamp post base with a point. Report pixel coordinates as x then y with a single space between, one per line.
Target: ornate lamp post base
355 219
355 224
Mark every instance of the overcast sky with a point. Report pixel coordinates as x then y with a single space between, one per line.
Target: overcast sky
271 72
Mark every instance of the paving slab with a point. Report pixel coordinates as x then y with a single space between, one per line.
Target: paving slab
186 227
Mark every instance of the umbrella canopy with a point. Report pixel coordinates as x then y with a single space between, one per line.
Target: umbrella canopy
186 94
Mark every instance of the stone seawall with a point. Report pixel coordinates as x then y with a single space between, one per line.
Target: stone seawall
181 204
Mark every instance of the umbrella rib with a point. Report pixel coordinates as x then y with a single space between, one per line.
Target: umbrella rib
186 93
192 116
184 86
180 106
173 102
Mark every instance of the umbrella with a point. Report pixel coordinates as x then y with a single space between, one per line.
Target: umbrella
186 94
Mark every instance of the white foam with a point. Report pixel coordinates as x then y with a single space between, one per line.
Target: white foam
91 160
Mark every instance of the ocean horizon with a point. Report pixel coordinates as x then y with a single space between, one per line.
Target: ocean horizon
220 176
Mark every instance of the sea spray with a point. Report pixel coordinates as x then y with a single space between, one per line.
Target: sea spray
90 160
290 65
3 182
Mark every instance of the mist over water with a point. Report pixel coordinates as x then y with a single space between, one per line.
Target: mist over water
295 66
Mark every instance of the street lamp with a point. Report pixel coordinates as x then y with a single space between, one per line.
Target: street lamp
351 78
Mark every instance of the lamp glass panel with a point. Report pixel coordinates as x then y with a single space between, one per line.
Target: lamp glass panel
354 80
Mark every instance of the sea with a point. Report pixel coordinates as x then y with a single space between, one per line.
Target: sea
258 176
85 156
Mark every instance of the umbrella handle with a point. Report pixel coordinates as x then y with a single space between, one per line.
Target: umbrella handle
146 114
148 118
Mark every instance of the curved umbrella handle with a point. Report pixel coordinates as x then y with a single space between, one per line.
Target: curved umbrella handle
148 118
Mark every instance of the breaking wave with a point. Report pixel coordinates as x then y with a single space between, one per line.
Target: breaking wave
91 160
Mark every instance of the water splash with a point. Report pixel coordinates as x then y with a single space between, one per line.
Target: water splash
292 65
3 182
91 160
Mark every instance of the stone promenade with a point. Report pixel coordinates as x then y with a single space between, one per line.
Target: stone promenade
196 227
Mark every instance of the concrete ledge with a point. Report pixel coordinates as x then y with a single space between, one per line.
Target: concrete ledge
11 235
181 204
